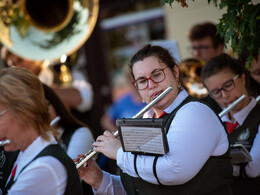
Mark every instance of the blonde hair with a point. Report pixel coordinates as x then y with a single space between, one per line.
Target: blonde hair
22 93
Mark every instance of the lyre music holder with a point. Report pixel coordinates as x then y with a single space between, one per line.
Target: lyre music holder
143 136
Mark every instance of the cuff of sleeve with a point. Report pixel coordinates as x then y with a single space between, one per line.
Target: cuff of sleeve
105 183
119 157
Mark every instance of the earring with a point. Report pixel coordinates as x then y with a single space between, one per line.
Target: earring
178 83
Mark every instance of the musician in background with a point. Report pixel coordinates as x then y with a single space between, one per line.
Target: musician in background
126 101
198 143
78 96
42 166
190 70
75 137
205 42
226 80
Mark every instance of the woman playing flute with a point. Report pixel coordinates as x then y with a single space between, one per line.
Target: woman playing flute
226 80
42 166
198 160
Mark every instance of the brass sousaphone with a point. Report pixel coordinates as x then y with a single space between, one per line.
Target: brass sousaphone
46 29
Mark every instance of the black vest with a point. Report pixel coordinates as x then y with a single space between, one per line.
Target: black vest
65 140
7 160
245 134
212 103
73 181
213 178
66 137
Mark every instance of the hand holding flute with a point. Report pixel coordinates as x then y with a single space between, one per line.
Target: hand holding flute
108 144
91 153
111 145
92 173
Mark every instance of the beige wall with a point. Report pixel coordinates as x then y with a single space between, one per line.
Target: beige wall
179 20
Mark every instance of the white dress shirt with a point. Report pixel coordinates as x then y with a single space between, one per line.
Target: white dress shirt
253 167
45 175
194 135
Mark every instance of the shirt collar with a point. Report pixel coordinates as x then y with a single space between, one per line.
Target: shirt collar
31 151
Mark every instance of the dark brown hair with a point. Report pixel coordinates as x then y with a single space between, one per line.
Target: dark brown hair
148 50
224 61
207 29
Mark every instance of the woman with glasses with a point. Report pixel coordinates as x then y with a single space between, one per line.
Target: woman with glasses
226 80
198 159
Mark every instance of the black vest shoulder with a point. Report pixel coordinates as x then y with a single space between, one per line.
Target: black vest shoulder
245 134
73 181
212 104
213 178
66 137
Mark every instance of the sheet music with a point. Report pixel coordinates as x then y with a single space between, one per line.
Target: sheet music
143 139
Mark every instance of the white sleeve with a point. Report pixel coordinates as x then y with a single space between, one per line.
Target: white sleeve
111 184
46 76
45 171
194 135
253 167
80 142
86 92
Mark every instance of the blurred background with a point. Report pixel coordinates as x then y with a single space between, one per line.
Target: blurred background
121 27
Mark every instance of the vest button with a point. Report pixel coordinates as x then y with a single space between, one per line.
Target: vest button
136 191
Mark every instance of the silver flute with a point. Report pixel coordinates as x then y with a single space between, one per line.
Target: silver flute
53 122
2 143
225 111
231 106
91 153
257 98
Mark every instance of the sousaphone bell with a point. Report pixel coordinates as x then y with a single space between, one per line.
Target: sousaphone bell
40 30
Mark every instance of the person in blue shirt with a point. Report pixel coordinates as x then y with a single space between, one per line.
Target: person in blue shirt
127 102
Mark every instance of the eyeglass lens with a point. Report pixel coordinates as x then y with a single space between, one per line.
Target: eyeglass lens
201 48
157 77
228 86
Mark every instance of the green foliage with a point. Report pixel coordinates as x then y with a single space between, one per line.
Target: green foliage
167 2
240 25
